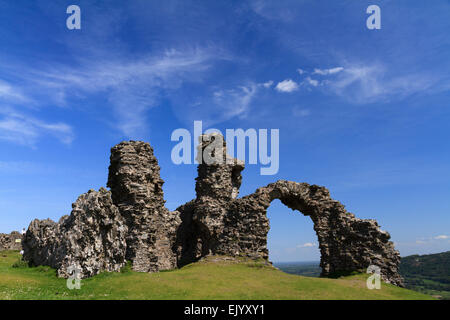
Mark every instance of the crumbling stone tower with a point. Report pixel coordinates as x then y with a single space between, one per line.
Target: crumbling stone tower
136 188
217 184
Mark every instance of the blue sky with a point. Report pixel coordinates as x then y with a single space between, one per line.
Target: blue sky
363 112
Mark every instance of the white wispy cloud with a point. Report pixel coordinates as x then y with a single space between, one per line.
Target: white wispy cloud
267 84
27 130
287 85
300 112
370 83
235 102
367 83
167 70
300 71
311 82
431 240
306 245
272 10
22 128
131 86
328 71
220 104
10 93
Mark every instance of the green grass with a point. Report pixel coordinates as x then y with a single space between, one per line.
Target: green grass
209 279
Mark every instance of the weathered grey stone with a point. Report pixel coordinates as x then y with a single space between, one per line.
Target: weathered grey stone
188 243
12 241
218 223
346 243
131 222
91 239
217 184
41 242
136 188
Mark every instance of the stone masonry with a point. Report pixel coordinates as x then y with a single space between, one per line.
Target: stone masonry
10 241
91 239
136 188
131 222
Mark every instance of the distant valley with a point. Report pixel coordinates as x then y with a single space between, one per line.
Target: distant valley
428 274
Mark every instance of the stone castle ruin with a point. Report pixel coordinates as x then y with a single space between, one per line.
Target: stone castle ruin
10 241
131 223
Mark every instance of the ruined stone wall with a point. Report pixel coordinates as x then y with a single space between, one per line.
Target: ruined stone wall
130 222
346 243
229 226
12 241
91 239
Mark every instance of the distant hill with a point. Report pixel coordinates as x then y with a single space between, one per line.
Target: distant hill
427 273
307 269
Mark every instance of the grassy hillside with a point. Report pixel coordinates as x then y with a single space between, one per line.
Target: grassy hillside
209 279
428 273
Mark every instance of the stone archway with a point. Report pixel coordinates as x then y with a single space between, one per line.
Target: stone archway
346 243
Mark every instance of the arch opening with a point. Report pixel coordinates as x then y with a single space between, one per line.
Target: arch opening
292 241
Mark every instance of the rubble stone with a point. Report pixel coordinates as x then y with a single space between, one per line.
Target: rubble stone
131 222
90 240
12 241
